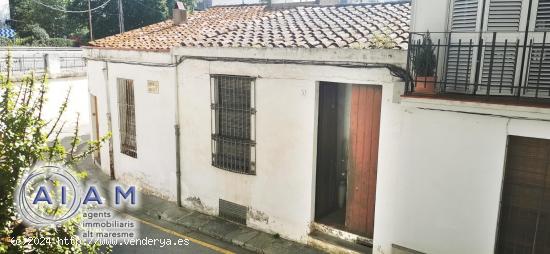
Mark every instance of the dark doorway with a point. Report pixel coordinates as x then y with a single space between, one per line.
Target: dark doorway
524 221
347 156
331 182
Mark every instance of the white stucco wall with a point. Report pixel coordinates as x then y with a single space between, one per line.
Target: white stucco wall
77 104
440 173
281 196
154 169
430 15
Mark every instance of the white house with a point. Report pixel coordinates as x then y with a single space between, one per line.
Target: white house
465 169
287 120
246 111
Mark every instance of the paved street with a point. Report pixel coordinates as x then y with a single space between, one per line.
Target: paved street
198 243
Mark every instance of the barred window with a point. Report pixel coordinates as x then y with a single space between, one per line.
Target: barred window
127 117
233 123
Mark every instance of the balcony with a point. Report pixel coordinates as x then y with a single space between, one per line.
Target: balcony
503 68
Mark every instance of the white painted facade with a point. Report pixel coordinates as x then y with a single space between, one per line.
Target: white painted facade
440 164
440 173
281 195
154 168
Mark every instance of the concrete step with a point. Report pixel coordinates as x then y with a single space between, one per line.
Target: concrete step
335 245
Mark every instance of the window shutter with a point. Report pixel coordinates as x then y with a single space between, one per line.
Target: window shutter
502 71
464 16
538 84
504 15
459 69
543 16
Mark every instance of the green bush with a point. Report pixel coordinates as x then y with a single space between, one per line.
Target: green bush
423 58
4 42
53 42
29 42
34 31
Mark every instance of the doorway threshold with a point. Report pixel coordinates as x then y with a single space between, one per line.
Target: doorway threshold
335 244
341 234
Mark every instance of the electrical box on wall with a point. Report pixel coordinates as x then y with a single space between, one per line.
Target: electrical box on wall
153 87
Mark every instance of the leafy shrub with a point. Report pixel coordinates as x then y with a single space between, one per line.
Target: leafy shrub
4 42
423 58
35 32
53 42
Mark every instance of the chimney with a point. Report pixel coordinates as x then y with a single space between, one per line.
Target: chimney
179 14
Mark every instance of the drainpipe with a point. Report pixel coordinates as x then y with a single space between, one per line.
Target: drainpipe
109 122
178 135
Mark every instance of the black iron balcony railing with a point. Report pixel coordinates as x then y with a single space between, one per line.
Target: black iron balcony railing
481 64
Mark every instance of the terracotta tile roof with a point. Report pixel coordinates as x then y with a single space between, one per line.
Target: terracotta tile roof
343 26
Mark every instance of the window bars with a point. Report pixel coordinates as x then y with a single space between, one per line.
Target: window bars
490 65
233 123
127 117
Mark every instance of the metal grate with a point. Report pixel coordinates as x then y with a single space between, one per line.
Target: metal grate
233 115
127 117
72 63
232 211
491 66
459 67
504 15
464 16
499 66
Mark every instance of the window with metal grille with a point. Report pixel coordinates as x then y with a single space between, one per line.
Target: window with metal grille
233 123
127 117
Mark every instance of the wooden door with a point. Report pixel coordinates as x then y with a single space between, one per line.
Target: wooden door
363 158
326 186
524 221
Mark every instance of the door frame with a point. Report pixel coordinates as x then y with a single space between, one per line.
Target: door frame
315 143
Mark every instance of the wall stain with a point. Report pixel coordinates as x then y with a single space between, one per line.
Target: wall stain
258 216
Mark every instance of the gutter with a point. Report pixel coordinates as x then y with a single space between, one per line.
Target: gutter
395 70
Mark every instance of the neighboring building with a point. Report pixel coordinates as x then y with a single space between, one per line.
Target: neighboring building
5 29
467 171
290 123
4 12
252 109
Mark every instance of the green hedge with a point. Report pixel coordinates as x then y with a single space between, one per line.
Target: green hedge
28 41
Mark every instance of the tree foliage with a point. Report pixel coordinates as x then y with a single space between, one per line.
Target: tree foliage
26 139
137 13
